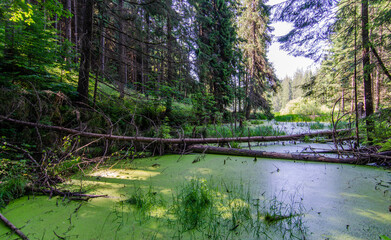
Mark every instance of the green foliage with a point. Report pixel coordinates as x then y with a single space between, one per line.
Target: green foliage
306 139
382 128
218 211
215 48
219 131
30 41
302 118
304 106
385 146
256 122
384 237
11 188
192 204
144 201
235 144
204 107
316 126
164 130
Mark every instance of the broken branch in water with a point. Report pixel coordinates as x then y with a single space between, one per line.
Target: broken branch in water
12 227
263 154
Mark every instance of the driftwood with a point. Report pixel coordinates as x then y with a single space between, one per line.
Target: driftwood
188 141
12 227
263 154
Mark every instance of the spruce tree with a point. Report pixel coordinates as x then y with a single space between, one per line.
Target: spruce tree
215 48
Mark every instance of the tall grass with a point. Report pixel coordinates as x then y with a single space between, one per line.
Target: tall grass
302 118
225 131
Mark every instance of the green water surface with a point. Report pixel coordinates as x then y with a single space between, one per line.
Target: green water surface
336 201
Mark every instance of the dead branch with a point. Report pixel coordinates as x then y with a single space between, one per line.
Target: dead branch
12 227
263 154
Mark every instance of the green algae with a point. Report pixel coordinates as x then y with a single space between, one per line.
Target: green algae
336 201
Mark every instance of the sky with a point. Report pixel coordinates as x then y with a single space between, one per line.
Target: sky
285 64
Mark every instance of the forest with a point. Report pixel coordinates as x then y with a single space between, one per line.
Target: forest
159 119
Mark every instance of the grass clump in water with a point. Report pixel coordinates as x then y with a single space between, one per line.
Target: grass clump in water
224 211
193 203
316 126
144 201
285 217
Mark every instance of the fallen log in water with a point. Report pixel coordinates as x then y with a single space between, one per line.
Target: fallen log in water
263 154
187 141
12 227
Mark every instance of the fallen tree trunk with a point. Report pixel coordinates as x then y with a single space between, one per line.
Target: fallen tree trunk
263 154
171 140
12 227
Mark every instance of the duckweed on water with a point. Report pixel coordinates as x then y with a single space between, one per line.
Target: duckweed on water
236 198
201 209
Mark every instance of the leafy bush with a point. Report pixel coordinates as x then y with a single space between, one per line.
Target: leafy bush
304 106
302 118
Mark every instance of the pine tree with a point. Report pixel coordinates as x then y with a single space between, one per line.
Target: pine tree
215 48
253 30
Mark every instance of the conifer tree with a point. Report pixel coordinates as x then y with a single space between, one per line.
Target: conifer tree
215 48
253 30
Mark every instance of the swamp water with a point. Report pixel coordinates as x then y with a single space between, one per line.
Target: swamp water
215 197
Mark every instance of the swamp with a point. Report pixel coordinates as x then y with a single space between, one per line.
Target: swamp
174 119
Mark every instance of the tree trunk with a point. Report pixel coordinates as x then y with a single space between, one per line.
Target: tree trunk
169 44
274 155
173 140
12 227
121 52
68 28
343 101
85 52
76 27
102 43
68 21
353 94
367 68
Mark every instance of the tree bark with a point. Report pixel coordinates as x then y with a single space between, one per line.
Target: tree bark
121 51
384 68
263 154
172 140
68 22
76 26
12 227
85 52
367 68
